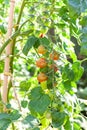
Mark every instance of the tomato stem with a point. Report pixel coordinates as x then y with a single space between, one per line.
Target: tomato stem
84 60
37 52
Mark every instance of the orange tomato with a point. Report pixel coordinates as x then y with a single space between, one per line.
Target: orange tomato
41 49
54 56
41 63
42 77
54 67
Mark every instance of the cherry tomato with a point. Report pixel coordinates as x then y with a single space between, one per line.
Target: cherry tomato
41 63
42 77
54 67
41 49
54 56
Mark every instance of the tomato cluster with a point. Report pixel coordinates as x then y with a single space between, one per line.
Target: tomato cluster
46 63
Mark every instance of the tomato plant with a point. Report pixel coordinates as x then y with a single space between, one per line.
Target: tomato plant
45 65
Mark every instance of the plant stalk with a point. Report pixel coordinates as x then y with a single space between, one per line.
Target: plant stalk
16 29
12 58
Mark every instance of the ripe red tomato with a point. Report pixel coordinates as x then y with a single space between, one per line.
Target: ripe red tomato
54 56
41 63
42 77
54 67
41 49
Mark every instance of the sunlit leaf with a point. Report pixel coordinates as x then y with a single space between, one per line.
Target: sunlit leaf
58 119
39 102
24 103
31 121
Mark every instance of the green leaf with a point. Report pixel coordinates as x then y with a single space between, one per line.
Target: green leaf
83 21
40 104
58 119
83 50
6 119
77 6
36 93
78 70
44 41
2 29
12 116
62 13
76 126
74 7
4 116
72 72
4 123
68 125
68 48
1 66
68 73
15 115
8 106
83 5
67 85
24 85
83 38
24 103
84 30
30 43
31 121
37 43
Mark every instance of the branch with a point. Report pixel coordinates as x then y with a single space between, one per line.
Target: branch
9 40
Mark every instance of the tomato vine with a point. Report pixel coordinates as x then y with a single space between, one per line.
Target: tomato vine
45 69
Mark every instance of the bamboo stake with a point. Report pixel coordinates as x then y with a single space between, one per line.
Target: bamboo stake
8 52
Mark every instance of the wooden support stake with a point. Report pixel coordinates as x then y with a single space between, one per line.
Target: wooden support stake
8 52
